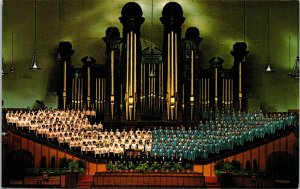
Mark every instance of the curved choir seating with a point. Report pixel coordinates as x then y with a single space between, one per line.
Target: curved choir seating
226 134
73 129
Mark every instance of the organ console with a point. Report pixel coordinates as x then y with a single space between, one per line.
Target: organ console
166 85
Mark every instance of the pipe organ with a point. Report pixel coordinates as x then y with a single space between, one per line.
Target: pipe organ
88 87
65 86
100 95
239 53
227 92
205 96
131 79
172 19
77 90
131 20
113 86
153 84
191 68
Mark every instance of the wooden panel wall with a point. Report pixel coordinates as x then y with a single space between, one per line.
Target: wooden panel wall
260 154
38 150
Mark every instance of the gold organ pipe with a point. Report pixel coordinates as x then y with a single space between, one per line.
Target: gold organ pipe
172 74
96 87
183 95
226 97
240 86
208 88
112 99
131 66
103 93
144 82
79 87
142 92
65 85
240 77
154 78
141 87
226 88
127 76
205 91
96 95
192 73
159 85
65 76
216 83
175 75
81 92
121 102
172 64
89 86
127 66
130 75
202 92
149 85
134 77
231 91
112 55
152 83
73 90
223 91
176 65
99 90
104 89
152 88
162 83
228 94
168 78
88 81
121 99
216 87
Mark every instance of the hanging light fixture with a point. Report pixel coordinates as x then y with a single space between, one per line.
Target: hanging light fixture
12 69
34 62
268 66
4 70
269 69
294 73
58 57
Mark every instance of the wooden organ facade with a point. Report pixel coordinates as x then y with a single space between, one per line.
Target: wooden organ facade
152 84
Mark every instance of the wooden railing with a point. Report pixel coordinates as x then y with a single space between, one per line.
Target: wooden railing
46 181
148 179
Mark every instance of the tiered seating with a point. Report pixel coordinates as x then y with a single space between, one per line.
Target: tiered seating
227 130
73 129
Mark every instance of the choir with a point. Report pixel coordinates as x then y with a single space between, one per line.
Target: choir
73 129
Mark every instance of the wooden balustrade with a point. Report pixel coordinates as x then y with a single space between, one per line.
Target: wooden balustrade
101 179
